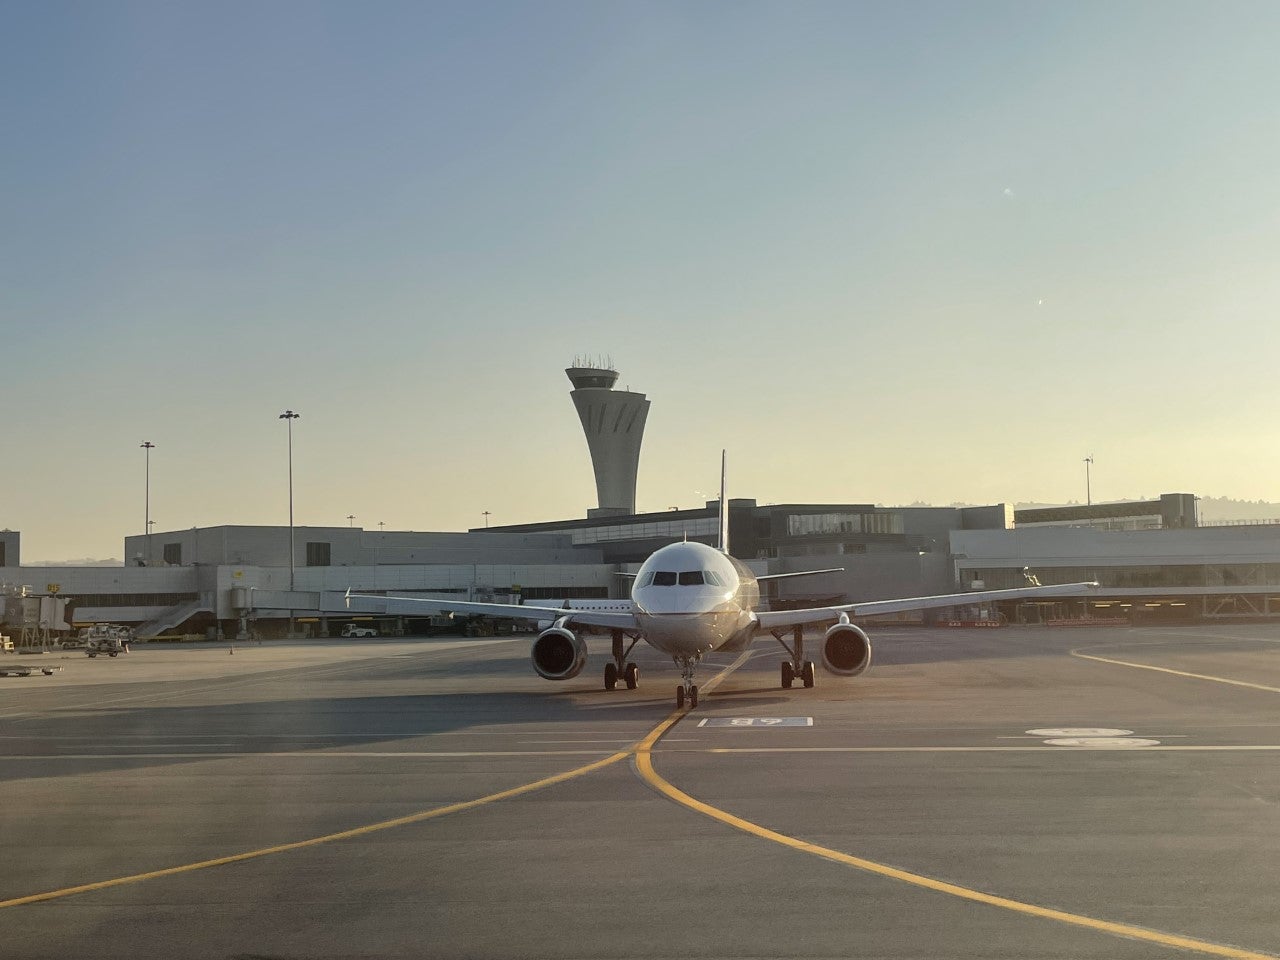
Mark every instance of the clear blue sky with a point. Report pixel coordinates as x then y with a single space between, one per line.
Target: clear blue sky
881 252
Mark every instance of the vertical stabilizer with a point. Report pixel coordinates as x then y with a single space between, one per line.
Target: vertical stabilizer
724 506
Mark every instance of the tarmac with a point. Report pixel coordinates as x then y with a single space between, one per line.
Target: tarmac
1023 792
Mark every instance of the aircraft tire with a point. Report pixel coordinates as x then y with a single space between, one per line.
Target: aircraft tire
610 675
680 697
632 676
693 697
787 674
807 674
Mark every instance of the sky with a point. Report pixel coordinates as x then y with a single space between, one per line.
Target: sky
880 252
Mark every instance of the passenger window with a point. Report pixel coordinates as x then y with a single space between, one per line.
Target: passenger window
664 578
690 578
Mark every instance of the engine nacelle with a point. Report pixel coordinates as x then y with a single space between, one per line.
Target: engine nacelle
558 654
846 650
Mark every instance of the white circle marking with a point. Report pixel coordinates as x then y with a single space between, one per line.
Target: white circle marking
1079 732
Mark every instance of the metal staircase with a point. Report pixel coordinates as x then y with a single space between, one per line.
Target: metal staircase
171 618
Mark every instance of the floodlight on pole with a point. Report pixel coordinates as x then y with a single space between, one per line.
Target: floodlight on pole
1088 490
289 416
148 446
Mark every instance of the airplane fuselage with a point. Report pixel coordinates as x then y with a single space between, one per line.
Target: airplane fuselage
690 599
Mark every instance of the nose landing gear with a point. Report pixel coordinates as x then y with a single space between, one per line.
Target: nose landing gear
688 690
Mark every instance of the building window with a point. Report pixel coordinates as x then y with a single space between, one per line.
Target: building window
825 524
173 554
317 554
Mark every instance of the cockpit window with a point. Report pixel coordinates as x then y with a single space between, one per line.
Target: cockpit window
712 578
646 579
664 578
690 578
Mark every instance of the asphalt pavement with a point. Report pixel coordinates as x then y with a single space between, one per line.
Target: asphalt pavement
1022 792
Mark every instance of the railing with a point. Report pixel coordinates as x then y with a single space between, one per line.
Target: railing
170 619
1263 522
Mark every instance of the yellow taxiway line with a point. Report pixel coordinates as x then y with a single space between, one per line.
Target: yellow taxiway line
644 764
327 838
643 755
357 831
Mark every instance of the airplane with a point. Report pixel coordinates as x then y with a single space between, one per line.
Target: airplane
689 599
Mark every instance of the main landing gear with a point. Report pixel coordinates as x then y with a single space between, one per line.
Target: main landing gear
797 668
687 692
618 668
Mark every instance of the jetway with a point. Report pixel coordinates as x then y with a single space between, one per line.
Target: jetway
35 622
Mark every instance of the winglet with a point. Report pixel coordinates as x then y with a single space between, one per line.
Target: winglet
724 505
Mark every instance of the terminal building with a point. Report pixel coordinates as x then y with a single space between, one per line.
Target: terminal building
1152 559
236 578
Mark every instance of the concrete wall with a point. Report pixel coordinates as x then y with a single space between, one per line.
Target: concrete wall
881 576
1076 546
468 581
78 580
354 546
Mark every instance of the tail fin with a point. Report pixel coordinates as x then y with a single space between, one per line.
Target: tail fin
724 506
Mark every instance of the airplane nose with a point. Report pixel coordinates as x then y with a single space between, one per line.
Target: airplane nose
685 601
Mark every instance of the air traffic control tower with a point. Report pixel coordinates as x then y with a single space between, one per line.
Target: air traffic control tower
613 421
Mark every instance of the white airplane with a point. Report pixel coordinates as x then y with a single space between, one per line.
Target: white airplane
690 599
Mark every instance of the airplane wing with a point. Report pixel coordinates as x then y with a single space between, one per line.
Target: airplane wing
408 606
778 619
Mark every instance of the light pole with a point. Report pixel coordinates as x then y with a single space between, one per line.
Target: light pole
148 446
1088 490
351 519
486 519
288 417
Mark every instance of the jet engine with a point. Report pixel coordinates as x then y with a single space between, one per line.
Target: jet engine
846 650
558 654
